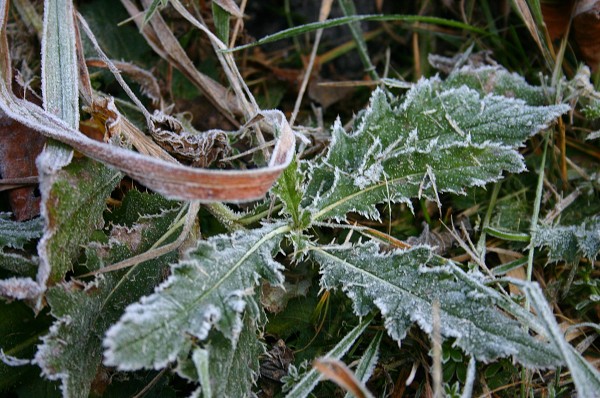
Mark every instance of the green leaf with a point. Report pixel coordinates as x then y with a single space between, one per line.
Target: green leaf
153 8
74 199
289 190
221 19
19 264
403 286
330 23
119 41
229 369
569 243
210 287
15 234
60 78
592 109
59 62
84 313
497 80
310 380
432 140
19 332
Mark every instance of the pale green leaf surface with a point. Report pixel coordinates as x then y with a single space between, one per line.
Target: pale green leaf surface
210 287
74 199
59 62
497 80
403 287
309 381
83 315
15 234
569 243
592 109
430 141
60 78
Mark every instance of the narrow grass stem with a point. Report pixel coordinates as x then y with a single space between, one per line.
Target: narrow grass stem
486 221
536 210
349 9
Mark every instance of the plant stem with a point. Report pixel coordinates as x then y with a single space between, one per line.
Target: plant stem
225 216
486 221
536 211
348 8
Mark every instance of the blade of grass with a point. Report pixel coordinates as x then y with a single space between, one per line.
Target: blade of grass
304 387
349 9
288 33
59 77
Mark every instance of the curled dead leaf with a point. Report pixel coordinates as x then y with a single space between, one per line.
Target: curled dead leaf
167 178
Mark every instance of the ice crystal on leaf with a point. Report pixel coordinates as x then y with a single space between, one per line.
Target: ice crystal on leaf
84 311
569 243
209 288
434 139
403 285
15 234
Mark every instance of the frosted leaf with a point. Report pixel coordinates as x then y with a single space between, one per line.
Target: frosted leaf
289 189
403 287
82 315
435 139
230 368
497 80
570 242
19 288
15 234
74 199
209 288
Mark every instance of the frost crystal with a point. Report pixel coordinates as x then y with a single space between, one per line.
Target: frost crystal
571 242
208 289
397 285
439 137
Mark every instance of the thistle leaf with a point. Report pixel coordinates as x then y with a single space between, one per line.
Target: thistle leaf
434 140
74 200
497 80
569 243
230 368
15 234
404 287
289 190
84 314
209 288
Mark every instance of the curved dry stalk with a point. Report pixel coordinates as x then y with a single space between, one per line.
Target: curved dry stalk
171 180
